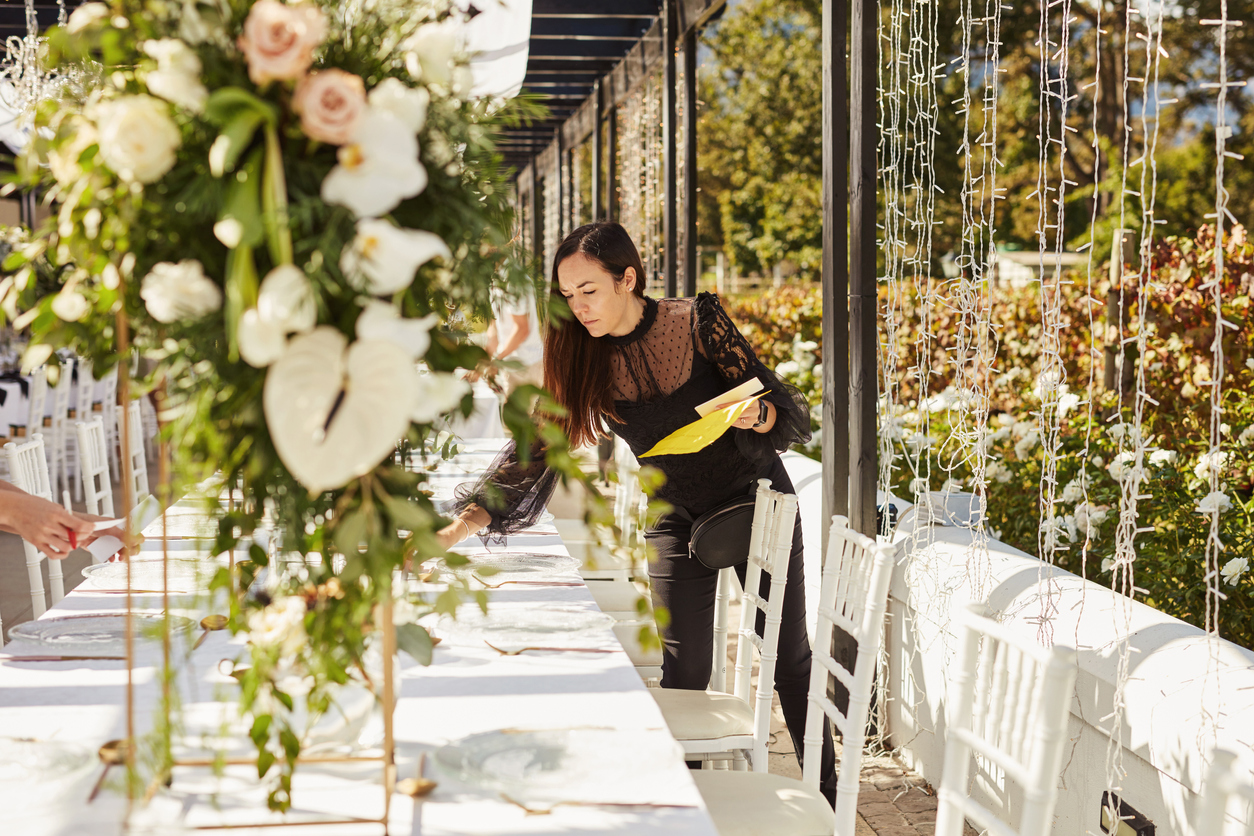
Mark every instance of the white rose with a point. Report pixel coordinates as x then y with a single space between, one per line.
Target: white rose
177 77
182 291
70 306
430 51
1215 502
138 139
1233 569
85 16
1247 435
280 624
438 392
408 104
383 258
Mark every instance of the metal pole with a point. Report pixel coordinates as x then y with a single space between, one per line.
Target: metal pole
670 222
611 166
862 263
596 152
835 265
537 222
560 174
691 265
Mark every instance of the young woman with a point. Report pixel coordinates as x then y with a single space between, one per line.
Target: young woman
641 366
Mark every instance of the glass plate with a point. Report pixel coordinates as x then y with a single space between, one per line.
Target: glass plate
546 767
543 627
35 771
185 575
92 635
521 566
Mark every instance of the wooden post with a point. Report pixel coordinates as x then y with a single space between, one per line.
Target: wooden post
537 222
835 266
863 361
691 266
670 219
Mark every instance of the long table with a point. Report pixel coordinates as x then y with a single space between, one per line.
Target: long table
468 689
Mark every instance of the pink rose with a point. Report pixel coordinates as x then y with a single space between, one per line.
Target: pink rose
278 40
330 104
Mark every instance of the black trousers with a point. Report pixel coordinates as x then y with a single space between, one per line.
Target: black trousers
686 588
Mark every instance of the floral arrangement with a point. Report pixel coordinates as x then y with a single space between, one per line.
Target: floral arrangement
283 203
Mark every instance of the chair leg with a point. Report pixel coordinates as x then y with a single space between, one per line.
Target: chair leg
38 603
739 762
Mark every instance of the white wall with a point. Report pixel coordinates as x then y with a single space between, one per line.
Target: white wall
1184 692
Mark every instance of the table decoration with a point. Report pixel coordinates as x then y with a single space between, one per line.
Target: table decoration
279 206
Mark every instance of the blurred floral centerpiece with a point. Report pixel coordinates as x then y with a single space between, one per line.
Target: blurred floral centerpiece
282 202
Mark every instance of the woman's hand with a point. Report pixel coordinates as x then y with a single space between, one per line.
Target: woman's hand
45 525
749 417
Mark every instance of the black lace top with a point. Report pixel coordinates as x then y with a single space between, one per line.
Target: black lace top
684 352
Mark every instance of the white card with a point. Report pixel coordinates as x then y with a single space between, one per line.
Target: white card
747 389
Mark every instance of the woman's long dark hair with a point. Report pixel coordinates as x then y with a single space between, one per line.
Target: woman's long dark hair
577 366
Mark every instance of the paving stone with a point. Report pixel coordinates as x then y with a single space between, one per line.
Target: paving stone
920 816
915 801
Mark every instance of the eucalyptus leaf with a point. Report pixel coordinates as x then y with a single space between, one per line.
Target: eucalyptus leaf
415 641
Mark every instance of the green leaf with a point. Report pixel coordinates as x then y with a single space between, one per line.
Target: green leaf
406 514
243 200
274 201
290 743
239 114
241 292
447 602
265 760
261 729
285 698
415 641
350 533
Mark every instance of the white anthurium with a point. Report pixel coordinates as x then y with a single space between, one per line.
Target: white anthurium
408 104
260 341
438 393
381 321
378 168
336 410
383 258
286 298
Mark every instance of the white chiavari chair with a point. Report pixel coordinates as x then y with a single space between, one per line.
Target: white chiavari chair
1007 707
132 419
1227 786
38 402
57 434
108 411
93 465
28 470
714 723
84 392
853 597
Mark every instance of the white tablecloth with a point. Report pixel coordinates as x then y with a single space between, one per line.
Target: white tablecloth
468 689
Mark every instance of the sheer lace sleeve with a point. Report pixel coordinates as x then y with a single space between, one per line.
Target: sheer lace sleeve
513 493
732 355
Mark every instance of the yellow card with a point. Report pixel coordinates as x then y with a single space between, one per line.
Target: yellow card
703 432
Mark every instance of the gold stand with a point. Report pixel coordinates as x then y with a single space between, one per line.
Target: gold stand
385 615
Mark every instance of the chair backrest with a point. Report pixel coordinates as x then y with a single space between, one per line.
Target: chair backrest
58 439
770 544
1008 702
28 470
853 597
108 403
131 420
1226 783
85 390
93 467
38 401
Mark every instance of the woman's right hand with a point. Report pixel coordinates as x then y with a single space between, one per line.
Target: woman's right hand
43 524
452 534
